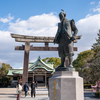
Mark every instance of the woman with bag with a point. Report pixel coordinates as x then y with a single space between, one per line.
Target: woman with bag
19 91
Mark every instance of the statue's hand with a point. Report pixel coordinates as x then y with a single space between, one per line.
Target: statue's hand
72 38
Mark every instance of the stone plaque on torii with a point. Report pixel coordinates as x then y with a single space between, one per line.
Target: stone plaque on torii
27 47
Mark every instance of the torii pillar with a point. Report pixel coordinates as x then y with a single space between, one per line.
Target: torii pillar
26 61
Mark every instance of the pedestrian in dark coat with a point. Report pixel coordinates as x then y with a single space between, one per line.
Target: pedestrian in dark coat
26 88
33 85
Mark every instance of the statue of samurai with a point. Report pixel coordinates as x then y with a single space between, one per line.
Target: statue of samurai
65 38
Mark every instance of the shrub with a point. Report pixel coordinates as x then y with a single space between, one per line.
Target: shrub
97 94
88 86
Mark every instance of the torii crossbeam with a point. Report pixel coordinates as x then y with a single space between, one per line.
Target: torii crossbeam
27 48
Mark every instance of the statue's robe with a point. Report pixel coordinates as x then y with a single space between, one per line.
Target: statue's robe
64 37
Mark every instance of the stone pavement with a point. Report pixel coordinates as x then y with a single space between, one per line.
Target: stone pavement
41 94
10 94
28 98
88 95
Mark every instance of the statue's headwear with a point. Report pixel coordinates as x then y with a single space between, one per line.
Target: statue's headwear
62 13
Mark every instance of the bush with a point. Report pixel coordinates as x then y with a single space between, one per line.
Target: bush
97 94
88 86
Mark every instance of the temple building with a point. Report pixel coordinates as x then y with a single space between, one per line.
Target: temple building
39 71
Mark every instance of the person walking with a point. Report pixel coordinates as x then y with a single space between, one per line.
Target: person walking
19 91
33 85
26 88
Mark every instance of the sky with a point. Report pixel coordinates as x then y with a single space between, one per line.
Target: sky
40 18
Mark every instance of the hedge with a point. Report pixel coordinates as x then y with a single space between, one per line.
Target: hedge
97 94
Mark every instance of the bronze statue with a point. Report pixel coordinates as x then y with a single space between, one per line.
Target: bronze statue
65 38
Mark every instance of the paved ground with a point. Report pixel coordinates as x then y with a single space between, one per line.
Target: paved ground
88 95
41 94
10 94
28 98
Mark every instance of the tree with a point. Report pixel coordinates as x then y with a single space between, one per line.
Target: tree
95 63
82 64
5 68
88 63
83 60
96 46
56 61
5 80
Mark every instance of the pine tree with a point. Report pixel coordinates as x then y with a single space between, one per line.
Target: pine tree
96 46
95 64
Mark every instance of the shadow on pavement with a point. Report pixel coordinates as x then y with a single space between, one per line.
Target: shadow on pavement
6 94
12 96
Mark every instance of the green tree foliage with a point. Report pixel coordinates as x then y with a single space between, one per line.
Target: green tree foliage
5 68
82 64
96 46
56 61
95 63
83 60
88 63
5 80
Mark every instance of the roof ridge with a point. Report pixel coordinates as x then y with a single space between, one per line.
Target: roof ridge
39 59
45 64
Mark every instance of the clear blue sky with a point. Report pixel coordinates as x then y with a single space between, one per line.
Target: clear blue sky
23 9
40 17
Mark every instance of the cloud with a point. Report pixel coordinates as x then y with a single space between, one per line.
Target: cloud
93 2
20 68
42 25
97 8
88 28
4 20
17 20
88 15
89 24
8 19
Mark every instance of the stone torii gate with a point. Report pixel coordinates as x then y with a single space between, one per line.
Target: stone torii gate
27 48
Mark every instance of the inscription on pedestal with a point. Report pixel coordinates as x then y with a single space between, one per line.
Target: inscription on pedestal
54 90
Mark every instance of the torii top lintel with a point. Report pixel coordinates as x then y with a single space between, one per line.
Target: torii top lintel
38 39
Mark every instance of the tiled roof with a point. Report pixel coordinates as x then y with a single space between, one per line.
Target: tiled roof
11 71
48 65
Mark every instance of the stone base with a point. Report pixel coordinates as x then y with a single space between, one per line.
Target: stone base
61 69
65 69
66 85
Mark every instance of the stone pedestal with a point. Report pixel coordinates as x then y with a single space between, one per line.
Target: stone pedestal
66 85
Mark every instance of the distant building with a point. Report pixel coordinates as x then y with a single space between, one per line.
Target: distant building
38 71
